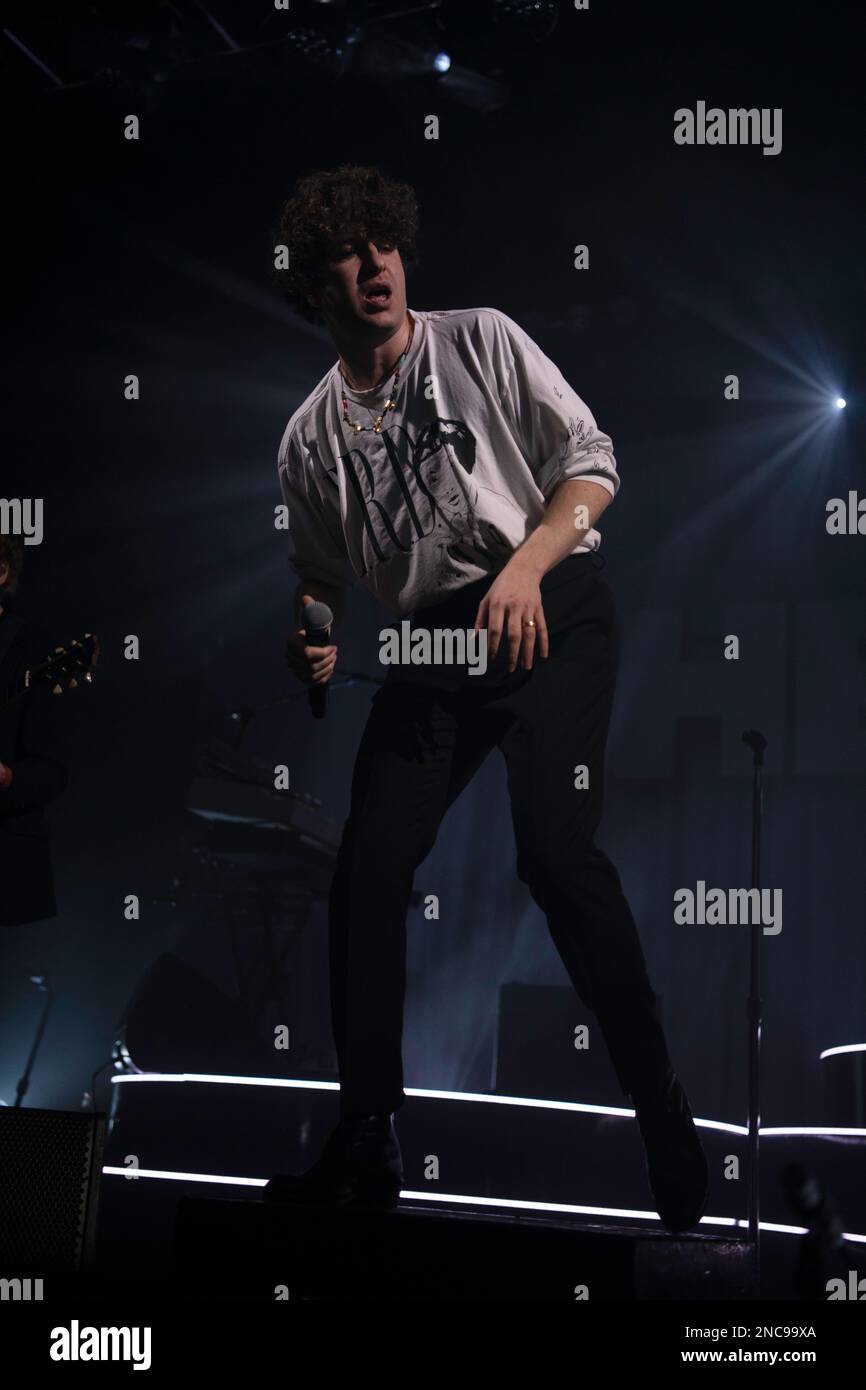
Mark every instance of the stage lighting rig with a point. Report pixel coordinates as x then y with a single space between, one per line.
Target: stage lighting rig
509 23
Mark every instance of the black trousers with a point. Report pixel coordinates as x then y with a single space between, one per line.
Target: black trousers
429 730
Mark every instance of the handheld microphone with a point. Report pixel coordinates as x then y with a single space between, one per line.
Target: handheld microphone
316 619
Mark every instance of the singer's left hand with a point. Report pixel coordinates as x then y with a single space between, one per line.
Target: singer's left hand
512 599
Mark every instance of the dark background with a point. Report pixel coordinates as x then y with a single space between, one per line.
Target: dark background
154 257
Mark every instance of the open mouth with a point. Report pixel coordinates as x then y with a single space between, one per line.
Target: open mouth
376 296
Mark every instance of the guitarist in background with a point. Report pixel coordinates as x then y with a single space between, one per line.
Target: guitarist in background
32 767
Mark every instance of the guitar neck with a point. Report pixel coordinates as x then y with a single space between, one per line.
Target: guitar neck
17 691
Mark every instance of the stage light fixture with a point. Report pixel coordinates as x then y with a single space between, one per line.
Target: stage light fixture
840 403
525 21
442 62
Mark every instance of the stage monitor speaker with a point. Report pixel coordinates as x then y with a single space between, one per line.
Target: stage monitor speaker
536 1053
50 1167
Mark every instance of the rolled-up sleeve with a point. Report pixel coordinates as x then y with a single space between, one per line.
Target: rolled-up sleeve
316 546
560 437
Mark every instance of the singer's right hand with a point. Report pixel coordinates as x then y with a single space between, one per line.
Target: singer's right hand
312 665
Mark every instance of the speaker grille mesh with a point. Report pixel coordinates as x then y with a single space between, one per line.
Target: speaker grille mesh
47 1161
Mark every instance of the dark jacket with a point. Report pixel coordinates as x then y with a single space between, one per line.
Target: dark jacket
32 744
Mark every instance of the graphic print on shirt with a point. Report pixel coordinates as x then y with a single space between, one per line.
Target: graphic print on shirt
414 487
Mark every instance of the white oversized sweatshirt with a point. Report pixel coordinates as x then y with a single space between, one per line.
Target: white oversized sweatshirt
485 428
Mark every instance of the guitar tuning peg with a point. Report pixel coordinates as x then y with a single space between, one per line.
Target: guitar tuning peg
73 684
57 689
88 676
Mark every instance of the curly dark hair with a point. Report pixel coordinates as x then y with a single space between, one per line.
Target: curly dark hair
333 205
11 554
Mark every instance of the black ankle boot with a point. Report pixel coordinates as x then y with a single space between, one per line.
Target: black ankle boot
359 1166
676 1163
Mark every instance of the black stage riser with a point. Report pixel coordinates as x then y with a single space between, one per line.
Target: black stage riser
261 1254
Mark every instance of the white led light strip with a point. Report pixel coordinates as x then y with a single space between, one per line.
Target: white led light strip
479 1097
461 1199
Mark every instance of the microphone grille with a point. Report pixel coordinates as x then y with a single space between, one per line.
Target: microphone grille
316 615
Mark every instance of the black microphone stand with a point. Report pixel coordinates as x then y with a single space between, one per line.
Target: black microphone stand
756 741
42 983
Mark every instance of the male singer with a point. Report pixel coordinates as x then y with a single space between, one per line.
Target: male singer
446 463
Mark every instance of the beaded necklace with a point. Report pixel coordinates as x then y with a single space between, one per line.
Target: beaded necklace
376 427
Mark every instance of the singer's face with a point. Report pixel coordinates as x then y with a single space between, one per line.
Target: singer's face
363 289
